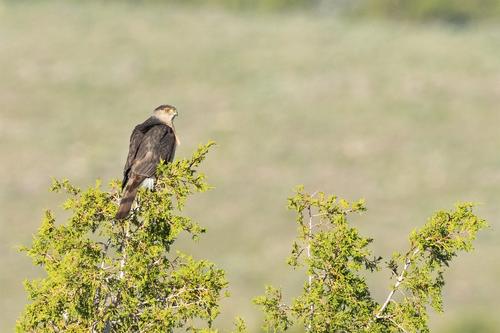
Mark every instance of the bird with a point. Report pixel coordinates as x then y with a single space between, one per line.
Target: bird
151 141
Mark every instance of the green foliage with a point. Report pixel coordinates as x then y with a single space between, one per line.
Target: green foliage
239 325
336 297
275 311
420 271
104 274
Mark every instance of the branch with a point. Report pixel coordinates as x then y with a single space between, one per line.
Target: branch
309 238
123 261
397 284
396 324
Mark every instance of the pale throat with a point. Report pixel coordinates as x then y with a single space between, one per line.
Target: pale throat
164 118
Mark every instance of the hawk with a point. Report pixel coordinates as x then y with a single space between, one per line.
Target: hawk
152 141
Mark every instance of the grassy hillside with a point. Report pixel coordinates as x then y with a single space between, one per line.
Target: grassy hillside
405 116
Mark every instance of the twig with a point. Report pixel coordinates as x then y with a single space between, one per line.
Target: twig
97 297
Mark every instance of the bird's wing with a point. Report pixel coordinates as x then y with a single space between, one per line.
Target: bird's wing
150 151
167 145
135 141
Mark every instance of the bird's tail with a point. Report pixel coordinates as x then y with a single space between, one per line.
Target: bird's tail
128 196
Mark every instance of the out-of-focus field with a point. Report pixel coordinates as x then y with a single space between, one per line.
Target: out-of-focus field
406 116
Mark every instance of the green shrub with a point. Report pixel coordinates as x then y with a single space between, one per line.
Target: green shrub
105 275
335 296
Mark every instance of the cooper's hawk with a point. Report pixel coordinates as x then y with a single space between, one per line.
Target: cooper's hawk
152 141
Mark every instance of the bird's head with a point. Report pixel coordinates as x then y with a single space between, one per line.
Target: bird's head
166 113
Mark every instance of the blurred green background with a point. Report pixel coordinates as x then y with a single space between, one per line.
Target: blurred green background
394 101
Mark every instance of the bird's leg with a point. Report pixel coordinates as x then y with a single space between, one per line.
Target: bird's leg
149 183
